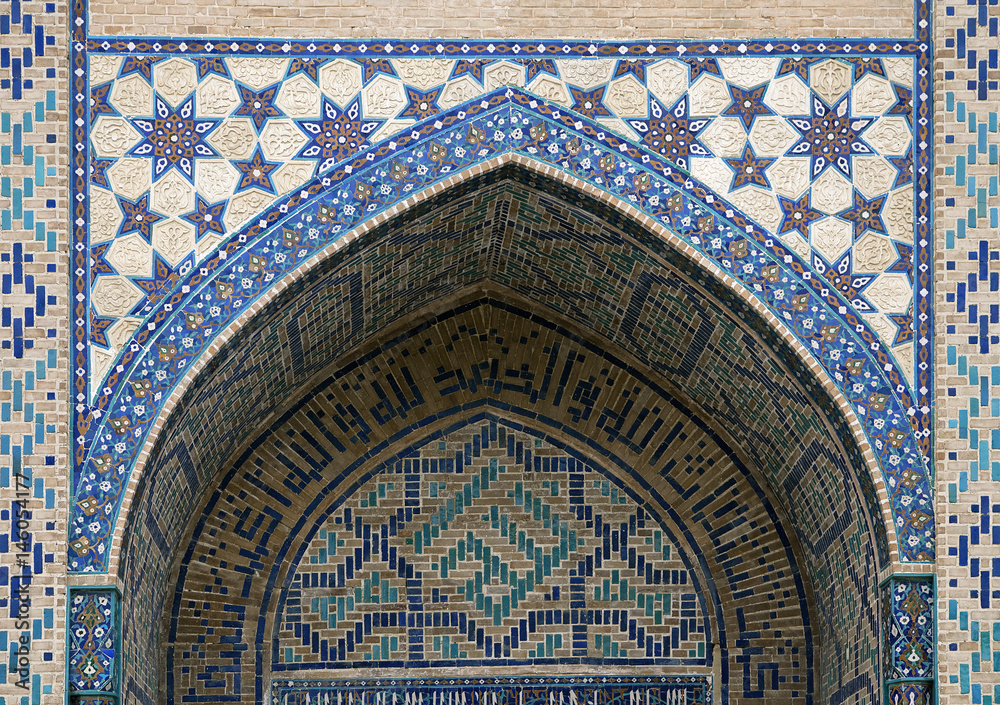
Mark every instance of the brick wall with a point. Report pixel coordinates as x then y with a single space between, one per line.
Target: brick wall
479 19
965 466
967 283
34 349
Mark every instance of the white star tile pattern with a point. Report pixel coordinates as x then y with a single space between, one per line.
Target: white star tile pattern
185 150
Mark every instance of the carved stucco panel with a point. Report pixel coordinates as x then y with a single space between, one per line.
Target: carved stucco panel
217 97
873 253
831 192
831 237
708 96
172 195
891 293
105 215
281 140
586 73
115 296
748 72
503 73
131 177
132 96
789 176
112 137
299 98
257 72
215 179
627 98
174 239
175 79
384 97
424 73
340 81
830 80
725 137
131 255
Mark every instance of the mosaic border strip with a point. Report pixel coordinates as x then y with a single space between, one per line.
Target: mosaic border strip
597 690
448 48
908 623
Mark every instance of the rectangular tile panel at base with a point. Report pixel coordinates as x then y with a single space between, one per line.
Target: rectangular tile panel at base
579 690
93 646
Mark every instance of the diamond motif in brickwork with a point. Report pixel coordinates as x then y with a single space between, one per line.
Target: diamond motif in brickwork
504 553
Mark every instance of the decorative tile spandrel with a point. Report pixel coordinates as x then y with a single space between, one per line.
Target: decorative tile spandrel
755 128
829 297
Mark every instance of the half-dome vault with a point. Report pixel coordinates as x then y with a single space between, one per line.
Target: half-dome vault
514 431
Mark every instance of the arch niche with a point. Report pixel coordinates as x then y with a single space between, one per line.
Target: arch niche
509 431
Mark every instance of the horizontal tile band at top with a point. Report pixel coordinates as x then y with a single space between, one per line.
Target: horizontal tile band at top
452 49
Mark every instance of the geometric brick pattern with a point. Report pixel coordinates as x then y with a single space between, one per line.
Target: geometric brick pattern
968 334
280 359
291 353
218 594
489 553
33 348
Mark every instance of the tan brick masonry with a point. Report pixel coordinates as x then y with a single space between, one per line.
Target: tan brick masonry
498 19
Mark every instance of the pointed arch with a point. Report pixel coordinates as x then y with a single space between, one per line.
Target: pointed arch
373 186
329 282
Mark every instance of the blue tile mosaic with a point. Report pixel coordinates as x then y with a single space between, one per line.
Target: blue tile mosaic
93 642
178 469
506 120
915 693
909 627
376 64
